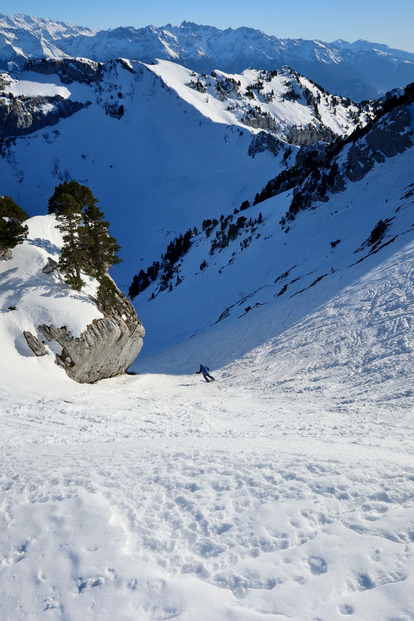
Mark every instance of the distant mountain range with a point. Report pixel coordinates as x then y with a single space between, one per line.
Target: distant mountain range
360 70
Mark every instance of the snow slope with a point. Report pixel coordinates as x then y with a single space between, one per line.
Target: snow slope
284 489
274 274
222 97
137 162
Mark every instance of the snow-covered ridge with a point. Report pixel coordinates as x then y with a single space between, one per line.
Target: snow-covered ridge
24 37
282 102
133 123
39 27
363 69
322 168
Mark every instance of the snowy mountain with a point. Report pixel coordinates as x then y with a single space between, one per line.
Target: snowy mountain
359 70
305 236
283 489
23 37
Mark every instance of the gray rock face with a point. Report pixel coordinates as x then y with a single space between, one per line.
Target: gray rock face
35 345
259 120
105 349
387 139
68 69
309 135
20 116
264 142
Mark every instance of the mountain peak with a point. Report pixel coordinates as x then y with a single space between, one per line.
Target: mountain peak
367 69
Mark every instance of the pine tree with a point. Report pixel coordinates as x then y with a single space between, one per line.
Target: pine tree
81 193
72 258
88 246
12 231
99 248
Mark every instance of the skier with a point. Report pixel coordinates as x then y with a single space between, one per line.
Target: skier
206 373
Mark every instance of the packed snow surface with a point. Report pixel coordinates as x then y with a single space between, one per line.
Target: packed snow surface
283 490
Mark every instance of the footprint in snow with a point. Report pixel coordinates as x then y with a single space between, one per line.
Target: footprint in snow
317 565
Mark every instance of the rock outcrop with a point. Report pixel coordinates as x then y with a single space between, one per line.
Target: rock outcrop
6 254
50 266
258 119
264 142
68 69
387 139
20 116
309 135
106 348
34 344
322 169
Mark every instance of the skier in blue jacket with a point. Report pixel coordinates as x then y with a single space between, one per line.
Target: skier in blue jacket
205 371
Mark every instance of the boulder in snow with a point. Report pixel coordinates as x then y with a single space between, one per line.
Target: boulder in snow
50 266
35 345
7 254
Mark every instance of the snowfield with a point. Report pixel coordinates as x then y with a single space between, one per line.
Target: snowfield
284 490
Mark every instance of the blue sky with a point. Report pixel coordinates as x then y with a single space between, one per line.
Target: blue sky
384 21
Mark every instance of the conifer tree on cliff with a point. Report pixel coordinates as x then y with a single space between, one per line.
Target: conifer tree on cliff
88 246
99 247
69 217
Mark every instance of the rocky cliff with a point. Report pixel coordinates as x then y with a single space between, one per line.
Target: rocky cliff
106 348
390 136
23 114
20 116
68 69
322 169
92 334
309 134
